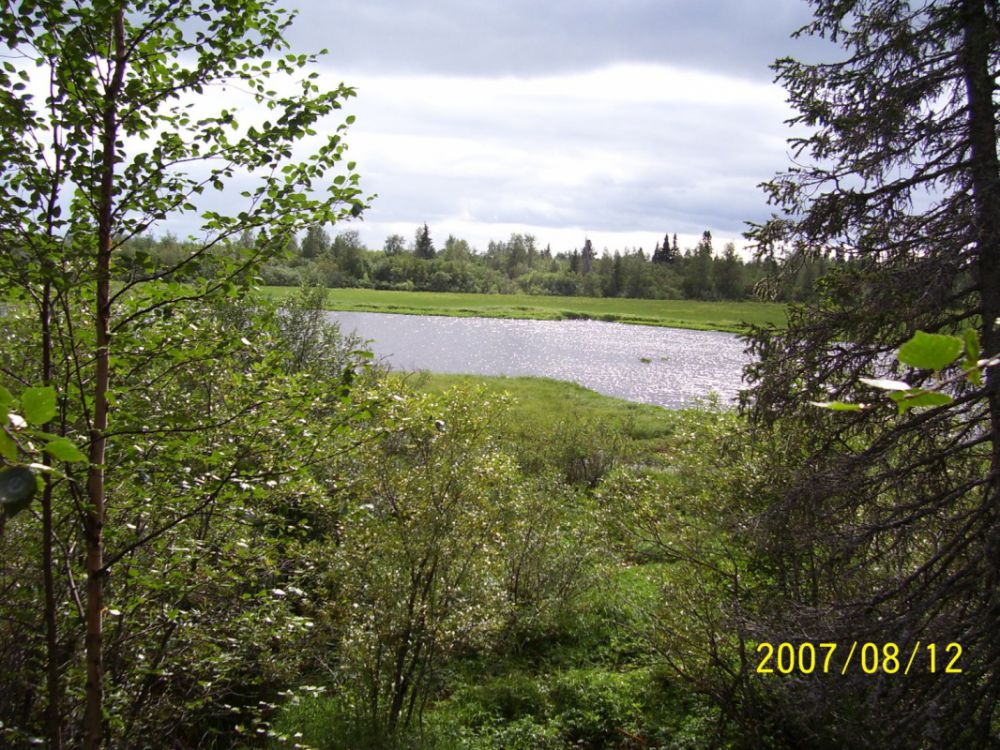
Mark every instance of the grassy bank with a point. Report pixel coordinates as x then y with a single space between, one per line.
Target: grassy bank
713 316
541 402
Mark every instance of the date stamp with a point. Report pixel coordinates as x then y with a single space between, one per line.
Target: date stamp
867 657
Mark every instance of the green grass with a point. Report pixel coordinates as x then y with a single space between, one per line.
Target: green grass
554 423
542 402
713 316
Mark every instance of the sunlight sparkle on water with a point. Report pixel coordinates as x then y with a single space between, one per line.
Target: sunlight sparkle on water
665 366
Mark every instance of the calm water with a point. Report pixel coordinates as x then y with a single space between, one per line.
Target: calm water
607 357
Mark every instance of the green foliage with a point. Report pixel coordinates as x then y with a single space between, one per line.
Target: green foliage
522 734
423 246
546 637
925 351
595 708
933 351
423 546
514 266
24 445
39 404
134 616
65 450
237 514
574 708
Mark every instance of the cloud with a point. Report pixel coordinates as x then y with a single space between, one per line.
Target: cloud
621 149
618 121
529 37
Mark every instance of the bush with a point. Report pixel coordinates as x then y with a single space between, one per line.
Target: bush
581 450
273 275
525 734
595 708
324 723
506 698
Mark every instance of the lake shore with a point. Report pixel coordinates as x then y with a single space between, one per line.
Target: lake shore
730 317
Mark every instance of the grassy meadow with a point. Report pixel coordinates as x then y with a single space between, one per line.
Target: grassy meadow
712 316
537 402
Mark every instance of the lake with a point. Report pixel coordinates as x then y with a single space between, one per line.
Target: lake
670 367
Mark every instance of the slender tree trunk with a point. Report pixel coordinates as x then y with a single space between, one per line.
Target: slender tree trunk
979 37
94 525
985 173
54 719
53 708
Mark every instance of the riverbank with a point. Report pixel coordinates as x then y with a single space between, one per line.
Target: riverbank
731 317
544 401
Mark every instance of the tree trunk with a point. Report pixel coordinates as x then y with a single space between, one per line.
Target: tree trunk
985 173
53 707
94 524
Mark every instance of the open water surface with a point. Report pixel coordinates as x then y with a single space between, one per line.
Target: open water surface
670 367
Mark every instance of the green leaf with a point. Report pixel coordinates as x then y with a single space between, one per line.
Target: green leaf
5 401
972 353
930 351
838 405
886 385
972 350
17 487
65 450
38 405
8 448
920 398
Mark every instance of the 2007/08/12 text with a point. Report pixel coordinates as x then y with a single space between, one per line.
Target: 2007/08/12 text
870 658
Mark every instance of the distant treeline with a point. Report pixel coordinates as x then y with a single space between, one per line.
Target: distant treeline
517 265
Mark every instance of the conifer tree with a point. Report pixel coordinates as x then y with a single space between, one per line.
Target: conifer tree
884 527
423 246
587 256
657 254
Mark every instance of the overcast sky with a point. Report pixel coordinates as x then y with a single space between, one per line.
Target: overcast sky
566 119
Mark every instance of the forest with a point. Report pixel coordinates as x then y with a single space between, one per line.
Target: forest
224 525
513 266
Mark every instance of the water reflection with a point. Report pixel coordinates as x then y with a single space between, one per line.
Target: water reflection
666 366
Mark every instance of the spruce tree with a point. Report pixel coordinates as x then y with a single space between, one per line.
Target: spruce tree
666 253
423 246
657 254
587 257
885 527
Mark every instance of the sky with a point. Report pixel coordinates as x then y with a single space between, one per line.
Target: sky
565 119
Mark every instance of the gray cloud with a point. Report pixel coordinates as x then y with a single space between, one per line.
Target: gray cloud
660 151
630 118
528 37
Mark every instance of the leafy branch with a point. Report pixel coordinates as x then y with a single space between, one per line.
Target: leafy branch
928 351
19 432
